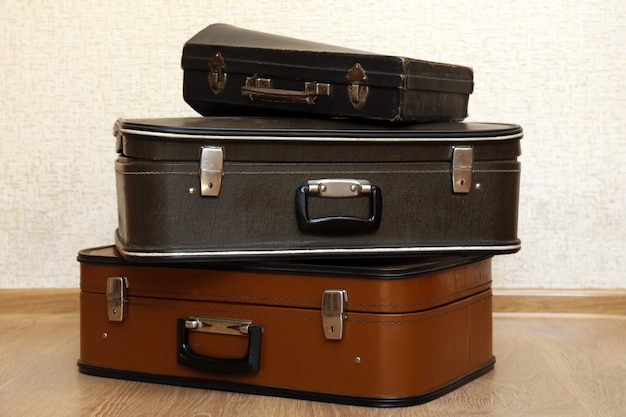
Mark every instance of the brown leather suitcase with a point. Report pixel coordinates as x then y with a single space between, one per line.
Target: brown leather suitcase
231 70
361 333
210 188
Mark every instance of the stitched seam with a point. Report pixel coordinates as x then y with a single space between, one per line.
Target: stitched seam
396 322
483 171
432 300
200 311
231 297
157 173
301 301
295 316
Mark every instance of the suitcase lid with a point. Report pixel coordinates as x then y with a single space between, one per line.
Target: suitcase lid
371 285
253 53
263 139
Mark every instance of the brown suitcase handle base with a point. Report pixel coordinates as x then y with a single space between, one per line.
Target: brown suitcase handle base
248 364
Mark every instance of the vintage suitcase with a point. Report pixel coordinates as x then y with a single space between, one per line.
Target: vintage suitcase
218 187
228 68
361 333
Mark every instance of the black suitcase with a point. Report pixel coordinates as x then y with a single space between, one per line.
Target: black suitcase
227 69
228 187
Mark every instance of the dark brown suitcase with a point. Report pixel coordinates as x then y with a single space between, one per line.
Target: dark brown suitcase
361 333
228 69
219 187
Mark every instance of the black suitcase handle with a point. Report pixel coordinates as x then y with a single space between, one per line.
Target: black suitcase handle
248 364
339 224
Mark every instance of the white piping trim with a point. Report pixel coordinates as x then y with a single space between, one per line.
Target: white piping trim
317 139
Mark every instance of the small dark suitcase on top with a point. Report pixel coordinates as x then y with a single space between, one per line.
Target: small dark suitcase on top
361 333
227 69
228 187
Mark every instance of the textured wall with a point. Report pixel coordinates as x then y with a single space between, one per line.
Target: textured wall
70 68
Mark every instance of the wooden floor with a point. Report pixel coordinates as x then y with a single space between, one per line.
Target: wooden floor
548 364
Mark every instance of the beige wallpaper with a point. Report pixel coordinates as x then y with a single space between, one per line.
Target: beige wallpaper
70 68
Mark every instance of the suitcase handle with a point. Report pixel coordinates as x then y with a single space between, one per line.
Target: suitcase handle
338 188
248 364
260 89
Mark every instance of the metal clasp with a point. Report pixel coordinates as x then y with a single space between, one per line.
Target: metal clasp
462 167
334 303
116 297
217 76
339 187
211 170
357 93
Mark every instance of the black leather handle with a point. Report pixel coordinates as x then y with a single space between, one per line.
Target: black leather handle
338 224
248 364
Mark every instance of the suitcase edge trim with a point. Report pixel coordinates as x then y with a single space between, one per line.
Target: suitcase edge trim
244 254
382 402
382 271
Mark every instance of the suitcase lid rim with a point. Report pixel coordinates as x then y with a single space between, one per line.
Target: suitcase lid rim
110 254
297 140
251 52
316 130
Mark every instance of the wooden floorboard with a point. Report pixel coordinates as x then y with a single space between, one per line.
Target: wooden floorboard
549 363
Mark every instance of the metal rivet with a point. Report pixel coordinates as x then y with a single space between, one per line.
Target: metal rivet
192 191
353 188
357 360
105 335
322 188
114 311
477 186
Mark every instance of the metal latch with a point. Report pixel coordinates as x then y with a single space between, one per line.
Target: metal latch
116 297
334 304
357 93
462 166
211 166
217 76
339 187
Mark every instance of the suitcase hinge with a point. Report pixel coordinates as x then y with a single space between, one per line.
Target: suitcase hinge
462 166
334 304
211 170
357 93
217 76
116 297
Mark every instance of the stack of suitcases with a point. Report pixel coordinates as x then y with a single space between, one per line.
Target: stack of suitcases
324 230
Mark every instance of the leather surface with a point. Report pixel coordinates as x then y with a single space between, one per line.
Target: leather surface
256 208
400 354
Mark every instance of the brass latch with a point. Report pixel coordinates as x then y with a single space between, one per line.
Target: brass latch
334 304
217 76
357 93
462 167
211 166
116 297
